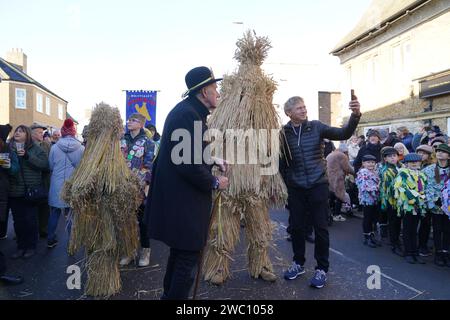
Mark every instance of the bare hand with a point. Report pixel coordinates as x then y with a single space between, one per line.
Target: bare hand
223 182
355 107
222 164
21 153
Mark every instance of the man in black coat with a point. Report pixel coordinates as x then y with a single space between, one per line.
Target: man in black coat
180 197
303 169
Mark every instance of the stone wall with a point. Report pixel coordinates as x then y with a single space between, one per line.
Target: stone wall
410 113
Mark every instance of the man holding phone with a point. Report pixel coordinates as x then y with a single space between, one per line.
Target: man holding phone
303 169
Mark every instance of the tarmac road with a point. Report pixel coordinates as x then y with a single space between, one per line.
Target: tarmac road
45 273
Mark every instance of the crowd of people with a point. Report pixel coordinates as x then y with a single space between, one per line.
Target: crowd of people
34 166
399 181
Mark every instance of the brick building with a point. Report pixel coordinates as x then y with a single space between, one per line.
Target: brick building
24 100
397 60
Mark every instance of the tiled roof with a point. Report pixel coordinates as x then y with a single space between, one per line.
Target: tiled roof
378 13
14 73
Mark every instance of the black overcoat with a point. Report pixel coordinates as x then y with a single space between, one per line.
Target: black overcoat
180 197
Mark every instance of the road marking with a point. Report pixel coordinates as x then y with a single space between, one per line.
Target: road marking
382 274
418 292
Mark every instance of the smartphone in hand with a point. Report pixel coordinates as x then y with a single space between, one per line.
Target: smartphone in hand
352 95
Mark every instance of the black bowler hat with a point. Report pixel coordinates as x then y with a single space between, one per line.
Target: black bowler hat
386 151
369 157
198 78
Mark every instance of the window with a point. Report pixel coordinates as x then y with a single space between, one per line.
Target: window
60 112
47 105
21 98
39 103
397 62
407 60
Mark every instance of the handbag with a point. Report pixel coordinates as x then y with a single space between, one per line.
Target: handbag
35 194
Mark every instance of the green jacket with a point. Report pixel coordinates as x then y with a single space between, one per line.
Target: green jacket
388 173
46 174
32 165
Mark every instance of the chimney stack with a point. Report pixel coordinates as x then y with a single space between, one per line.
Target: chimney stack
17 57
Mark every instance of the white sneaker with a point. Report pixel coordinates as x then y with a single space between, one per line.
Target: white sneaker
339 218
125 261
144 259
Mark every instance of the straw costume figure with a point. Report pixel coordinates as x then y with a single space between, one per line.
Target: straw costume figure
246 103
104 196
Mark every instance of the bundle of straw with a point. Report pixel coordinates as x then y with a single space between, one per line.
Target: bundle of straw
246 103
104 196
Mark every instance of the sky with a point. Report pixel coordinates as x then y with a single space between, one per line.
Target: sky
90 51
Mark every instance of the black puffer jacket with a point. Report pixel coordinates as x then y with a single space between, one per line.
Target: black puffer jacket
302 163
367 149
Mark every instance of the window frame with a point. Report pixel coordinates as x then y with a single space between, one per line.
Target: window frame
48 106
39 106
24 98
60 111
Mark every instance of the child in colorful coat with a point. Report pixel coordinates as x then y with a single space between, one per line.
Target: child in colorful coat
368 182
428 159
409 188
440 198
388 173
139 151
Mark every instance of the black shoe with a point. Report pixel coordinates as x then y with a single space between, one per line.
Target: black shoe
410 259
10 280
446 259
383 231
310 238
29 253
439 260
398 251
424 252
368 242
374 240
18 254
52 243
419 260
447 262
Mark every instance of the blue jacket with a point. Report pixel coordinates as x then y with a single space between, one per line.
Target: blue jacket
64 157
407 141
302 163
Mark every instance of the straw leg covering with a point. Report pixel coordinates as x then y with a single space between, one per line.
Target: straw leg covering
103 274
224 235
258 229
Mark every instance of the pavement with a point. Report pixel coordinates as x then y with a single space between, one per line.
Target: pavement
46 274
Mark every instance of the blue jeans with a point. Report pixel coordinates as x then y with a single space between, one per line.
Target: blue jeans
53 221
